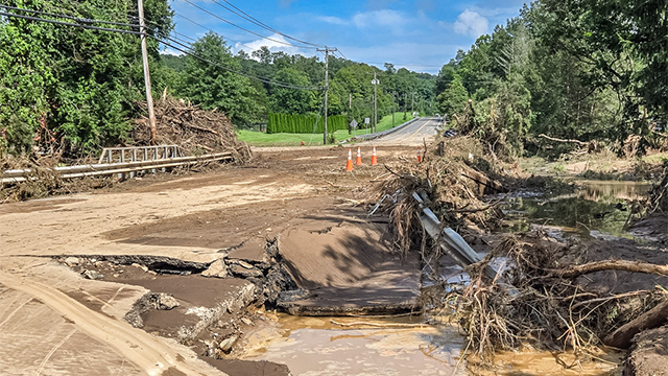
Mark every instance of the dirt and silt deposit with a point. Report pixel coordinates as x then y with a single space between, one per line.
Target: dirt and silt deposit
276 267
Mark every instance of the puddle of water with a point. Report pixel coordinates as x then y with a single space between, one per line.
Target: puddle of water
314 346
597 209
544 363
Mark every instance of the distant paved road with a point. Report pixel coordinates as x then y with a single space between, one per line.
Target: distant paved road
413 134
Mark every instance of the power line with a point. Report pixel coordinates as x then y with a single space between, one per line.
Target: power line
257 22
243 28
258 78
83 20
213 31
68 23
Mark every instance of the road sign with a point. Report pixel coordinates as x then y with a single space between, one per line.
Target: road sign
375 82
354 124
367 120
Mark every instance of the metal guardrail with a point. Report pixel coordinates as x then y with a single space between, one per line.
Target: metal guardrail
373 136
143 153
101 169
449 240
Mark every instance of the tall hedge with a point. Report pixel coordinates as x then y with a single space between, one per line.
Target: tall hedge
286 123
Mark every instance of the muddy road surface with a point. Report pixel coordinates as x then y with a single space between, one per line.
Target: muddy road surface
112 282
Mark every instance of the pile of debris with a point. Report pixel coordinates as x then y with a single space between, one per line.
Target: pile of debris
452 178
554 305
543 296
193 129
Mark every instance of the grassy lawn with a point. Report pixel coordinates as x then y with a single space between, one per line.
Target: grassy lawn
295 139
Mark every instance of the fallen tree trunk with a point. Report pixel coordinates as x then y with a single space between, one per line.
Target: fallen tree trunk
570 141
621 338
622 265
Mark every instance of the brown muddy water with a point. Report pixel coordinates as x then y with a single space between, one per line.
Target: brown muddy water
597 209
312 346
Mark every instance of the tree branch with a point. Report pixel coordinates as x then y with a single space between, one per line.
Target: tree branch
622 265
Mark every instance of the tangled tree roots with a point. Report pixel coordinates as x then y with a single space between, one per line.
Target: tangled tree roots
549 309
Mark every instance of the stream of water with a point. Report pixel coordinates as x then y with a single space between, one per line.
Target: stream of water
316 346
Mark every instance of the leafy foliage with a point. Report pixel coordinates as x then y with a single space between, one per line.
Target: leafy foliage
61 84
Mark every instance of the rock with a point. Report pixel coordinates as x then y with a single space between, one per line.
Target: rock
166 301
246 321
245 264
92 274
142 267
226 344
246 273
217 269
70 261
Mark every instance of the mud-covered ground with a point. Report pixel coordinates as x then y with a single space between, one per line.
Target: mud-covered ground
290 220
192 269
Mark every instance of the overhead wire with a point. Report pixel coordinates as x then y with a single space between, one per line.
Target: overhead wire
213 31
65 16
68 23
258 78
161 40
257 22
243 28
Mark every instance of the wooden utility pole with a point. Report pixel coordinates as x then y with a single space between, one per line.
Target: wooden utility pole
393 95
375 102
326 50
147 74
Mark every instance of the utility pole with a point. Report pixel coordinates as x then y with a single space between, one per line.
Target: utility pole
326 51
393 94
147 74
412 103
375 102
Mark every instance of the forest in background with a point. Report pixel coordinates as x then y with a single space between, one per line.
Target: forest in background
584 70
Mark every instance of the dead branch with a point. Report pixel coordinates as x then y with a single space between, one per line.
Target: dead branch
621 338
622 265
375 325
581 143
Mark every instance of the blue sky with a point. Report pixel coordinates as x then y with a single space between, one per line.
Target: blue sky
420 35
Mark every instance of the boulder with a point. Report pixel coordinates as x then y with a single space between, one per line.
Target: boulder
166 301
217 269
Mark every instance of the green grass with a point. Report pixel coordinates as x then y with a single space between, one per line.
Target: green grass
386 122
295 139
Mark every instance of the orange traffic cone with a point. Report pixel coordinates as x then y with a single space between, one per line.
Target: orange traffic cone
374 159
349 165
359 157
419 155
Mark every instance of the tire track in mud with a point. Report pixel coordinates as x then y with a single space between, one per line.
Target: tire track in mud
147 352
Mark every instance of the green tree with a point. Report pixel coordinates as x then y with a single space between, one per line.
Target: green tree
289 100
454 98
65 83
215 87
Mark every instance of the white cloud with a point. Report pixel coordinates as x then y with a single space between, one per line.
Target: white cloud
169 51
385 17
333 20
471 23
274 45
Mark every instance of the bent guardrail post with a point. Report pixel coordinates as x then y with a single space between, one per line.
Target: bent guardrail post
449 240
